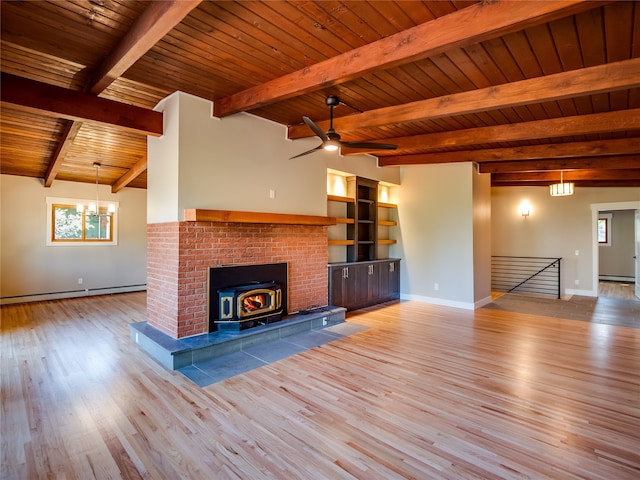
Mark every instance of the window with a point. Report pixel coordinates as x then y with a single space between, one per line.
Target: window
604 229
68 226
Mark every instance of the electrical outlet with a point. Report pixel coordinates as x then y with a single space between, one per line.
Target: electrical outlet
577 282
577 252
324 321
272 194
80 281
436 286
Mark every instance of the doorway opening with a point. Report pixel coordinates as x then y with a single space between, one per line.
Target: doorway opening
630 212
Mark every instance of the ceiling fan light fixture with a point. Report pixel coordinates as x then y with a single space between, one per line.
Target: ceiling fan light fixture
331 146
331 139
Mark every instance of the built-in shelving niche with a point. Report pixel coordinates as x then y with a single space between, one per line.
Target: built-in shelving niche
365 228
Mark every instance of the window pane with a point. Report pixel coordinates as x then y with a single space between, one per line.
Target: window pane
98 227
602 230
67 223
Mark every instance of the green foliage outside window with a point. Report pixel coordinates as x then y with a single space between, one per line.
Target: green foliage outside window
71 225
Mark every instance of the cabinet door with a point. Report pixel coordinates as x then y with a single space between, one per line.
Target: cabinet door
362 284
349 282
393 279
375 269
342 286
389 280
336 286
383 279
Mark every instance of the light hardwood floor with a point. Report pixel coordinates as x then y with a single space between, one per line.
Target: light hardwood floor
623 290
425 392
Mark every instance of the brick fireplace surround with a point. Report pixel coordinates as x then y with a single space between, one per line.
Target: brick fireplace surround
179 255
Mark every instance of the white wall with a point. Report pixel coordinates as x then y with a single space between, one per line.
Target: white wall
30 270
437 217
234 163
361 165
481 238
162 166
556 227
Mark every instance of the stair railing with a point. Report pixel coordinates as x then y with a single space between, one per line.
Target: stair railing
533 275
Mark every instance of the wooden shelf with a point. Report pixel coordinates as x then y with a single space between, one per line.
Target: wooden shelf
387 223
340 242
363 219
336 198
230 216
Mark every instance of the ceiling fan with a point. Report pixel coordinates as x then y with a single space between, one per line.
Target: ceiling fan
331 140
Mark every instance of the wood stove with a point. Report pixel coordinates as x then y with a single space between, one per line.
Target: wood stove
251 301
246 296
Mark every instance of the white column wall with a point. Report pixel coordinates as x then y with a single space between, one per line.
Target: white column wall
437 219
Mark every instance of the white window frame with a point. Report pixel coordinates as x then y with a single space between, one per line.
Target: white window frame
51 201
609 218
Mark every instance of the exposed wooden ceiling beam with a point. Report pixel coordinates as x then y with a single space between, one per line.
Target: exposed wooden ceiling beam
587 81
156 21
568 176
552 128
612 162
68 136
59 102
65 144
619 146
578 183
464 27
131 174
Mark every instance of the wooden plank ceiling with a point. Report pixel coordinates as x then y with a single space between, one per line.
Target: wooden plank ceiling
524 89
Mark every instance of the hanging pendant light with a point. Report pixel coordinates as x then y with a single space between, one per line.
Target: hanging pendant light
561 189
94 208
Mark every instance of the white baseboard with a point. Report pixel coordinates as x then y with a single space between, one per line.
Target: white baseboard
483 302
437 301
581 293
38 297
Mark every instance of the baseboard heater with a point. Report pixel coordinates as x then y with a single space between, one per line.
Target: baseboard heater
615 278
85 292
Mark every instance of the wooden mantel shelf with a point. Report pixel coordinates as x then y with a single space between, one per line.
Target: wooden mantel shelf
230 216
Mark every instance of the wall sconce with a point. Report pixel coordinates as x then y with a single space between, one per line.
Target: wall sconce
525 209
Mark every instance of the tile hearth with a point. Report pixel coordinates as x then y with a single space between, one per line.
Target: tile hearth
175 354
221 368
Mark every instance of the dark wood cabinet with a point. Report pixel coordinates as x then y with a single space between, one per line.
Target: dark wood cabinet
360 284
363 279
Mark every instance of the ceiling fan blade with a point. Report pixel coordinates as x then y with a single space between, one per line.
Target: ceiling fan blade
315 128
369 145
319 147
